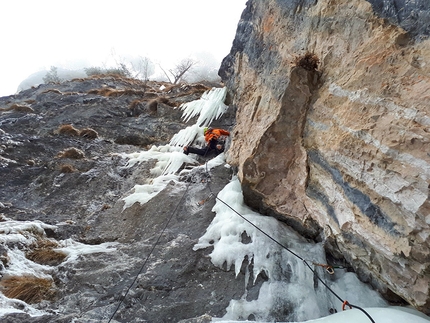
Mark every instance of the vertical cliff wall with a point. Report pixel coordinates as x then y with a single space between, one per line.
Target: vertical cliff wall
340 152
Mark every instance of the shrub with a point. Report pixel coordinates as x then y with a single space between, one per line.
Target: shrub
121 70
308 61
88 133
67 168
153 105
90 71
164 100
52 76
43 253
72 153
29 289
68 129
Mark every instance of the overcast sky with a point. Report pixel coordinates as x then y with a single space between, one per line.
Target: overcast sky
38 34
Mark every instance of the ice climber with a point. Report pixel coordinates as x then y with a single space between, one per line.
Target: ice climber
215 140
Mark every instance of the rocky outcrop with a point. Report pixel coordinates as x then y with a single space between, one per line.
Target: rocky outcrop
339 152
60 163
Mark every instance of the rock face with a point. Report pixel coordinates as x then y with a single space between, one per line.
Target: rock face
60 163
339 152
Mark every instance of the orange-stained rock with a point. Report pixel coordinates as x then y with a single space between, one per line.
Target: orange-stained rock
341 153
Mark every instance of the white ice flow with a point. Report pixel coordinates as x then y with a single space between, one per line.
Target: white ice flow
209 107
290 284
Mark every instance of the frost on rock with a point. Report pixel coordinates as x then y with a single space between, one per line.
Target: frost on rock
9 305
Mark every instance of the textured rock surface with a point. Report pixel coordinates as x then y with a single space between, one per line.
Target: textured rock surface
340 153
85 203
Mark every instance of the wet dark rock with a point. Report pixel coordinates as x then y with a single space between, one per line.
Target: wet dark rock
83 199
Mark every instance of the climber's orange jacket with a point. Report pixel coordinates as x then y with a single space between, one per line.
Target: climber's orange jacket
215 134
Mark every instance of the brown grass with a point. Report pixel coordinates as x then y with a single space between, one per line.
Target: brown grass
104 91
153 106
109 92
308 61
67 129
189 89
29 289
127 80
133 92
43 253
72 153
169 87
199 88
67 168
21 108
105 207
88 133
135 104
163 99
107 75
53 91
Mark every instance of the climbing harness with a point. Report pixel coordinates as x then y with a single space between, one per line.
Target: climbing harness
344 302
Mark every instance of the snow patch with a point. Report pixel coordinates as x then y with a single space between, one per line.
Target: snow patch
74 249
143 193
16 237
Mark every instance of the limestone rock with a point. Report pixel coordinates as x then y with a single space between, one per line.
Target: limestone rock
339 152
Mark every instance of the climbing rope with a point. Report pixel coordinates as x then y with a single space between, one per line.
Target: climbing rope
344 302
150 253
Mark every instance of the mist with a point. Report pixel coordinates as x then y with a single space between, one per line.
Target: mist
81 34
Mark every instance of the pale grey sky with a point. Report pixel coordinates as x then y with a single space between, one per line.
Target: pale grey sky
82 33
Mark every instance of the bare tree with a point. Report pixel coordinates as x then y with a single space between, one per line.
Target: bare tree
143 68
178 72
121 65
52 76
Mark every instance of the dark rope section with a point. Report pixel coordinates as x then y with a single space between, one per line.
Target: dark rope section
150 253
290 251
